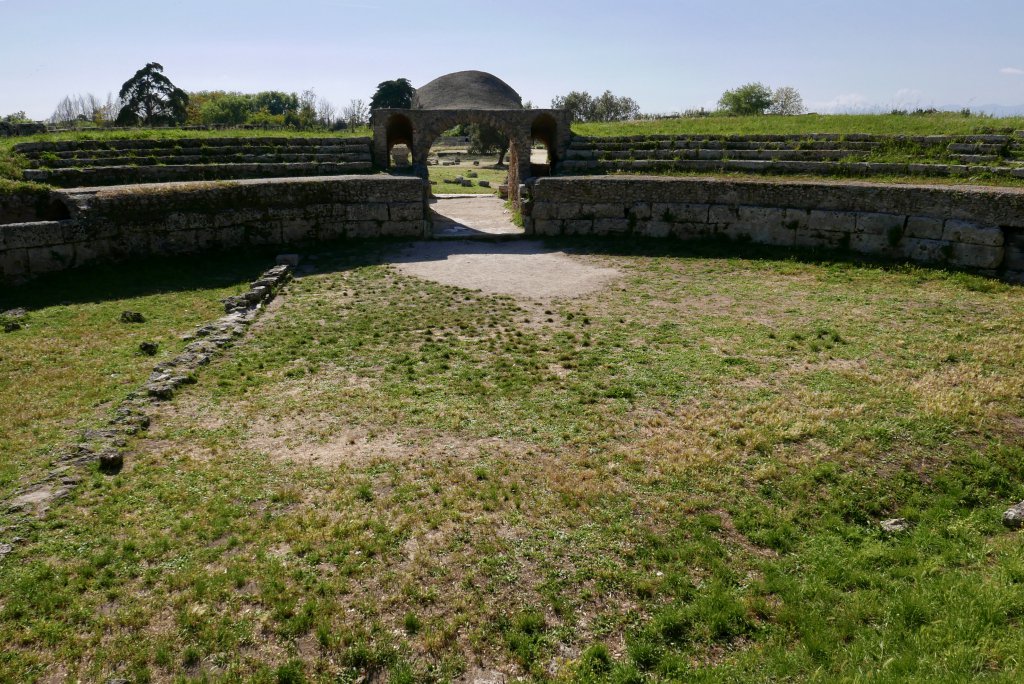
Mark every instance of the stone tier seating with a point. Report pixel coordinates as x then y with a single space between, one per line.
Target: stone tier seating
81 163
939 155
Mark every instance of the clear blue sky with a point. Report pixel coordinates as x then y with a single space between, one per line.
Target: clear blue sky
669 55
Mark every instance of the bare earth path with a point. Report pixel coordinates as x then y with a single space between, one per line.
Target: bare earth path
522 268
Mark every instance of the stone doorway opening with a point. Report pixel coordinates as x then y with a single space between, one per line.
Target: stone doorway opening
472 97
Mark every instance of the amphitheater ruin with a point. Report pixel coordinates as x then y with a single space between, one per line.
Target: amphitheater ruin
125 198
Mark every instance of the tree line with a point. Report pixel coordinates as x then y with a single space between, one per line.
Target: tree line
150 98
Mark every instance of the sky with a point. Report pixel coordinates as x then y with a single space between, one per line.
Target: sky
668 55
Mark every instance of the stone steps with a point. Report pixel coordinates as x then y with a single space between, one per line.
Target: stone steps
716 154
181 160
172 143
128 175
856 168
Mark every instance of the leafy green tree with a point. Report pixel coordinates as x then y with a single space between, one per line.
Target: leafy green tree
275 102
149 97
484 139
16 117
580 105
606 107
752 98
395 94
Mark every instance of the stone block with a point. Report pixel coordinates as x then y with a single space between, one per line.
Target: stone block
925 250
796 219
49 259
174 242
955 230
654 228
297 230
688 230
92 250
924 228
870 243
263 234
808 237
406 211
761 217
976 256
577 227
566 210
721 213
28 235
368 212
543 211
679 212
547 226
606 226
331 229
13 264
411 228
604 210
363 229
642 211
874 223
832 221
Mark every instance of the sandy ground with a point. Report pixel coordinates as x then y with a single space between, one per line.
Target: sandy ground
522 268
472 215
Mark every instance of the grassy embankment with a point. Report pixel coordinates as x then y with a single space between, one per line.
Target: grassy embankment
11 164
679 477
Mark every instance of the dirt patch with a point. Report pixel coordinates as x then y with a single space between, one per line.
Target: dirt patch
523 268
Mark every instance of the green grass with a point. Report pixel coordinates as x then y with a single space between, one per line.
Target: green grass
943 123
11 164
679 477
442 173
73 360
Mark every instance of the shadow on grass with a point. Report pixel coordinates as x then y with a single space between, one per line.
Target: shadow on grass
137 278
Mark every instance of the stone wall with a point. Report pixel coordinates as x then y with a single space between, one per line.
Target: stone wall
967 227
25 204
117 223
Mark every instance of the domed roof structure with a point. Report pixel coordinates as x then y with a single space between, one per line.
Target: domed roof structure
467 90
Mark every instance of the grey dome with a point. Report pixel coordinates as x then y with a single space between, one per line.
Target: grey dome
467 90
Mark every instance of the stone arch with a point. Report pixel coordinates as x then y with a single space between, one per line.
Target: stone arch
544 128
442 121
398 130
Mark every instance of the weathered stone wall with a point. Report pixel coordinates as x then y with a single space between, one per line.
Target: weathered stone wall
971 227
30 204
182 218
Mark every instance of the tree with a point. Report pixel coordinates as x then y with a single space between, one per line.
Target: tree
579 104
149 98
356 114
395 94
16 118
583 106
752 98
484 139
787 101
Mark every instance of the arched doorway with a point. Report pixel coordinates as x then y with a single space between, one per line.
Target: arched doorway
439 123
544 129
398 131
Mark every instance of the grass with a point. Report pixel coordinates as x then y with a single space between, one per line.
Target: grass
942 123
72 360
11 164
441 174
679 477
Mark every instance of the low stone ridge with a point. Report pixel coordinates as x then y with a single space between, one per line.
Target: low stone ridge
107 445
78 163
978 228
819 154
116 223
